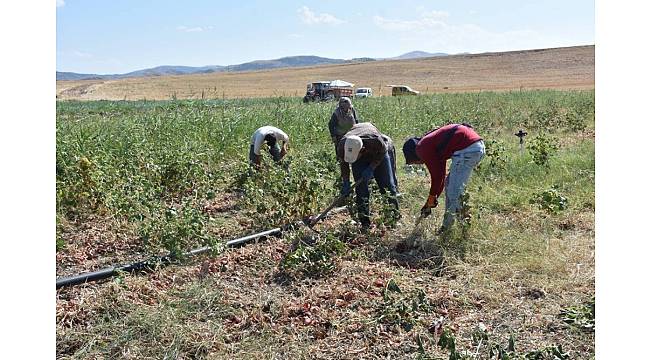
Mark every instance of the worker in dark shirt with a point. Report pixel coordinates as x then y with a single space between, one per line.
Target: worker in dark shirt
342 120
465 148
367 150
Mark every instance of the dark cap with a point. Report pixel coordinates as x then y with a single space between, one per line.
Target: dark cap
409 149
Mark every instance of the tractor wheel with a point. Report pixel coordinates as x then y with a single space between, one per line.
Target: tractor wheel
329 97
316 98
305 99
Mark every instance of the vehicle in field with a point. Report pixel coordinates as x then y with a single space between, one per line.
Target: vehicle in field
328 90
363 92
399 90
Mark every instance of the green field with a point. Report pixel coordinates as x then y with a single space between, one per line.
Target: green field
142 178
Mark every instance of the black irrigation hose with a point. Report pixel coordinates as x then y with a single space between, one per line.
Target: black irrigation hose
149 264
152 263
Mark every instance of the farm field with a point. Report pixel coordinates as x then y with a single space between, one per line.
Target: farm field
570 68
142 178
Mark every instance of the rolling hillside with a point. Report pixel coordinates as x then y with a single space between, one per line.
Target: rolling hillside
556 68
284 62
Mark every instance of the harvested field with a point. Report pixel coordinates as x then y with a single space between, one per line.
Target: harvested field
570 68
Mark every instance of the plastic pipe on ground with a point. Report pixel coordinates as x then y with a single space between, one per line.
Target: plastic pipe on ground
160 260
149 264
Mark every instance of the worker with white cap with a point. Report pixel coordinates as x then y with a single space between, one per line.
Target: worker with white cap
368 151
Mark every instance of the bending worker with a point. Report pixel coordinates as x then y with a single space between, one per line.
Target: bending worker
465 148
368 151
342 120
271 135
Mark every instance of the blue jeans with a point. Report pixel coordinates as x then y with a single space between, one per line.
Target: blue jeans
462 163
385 178
391 154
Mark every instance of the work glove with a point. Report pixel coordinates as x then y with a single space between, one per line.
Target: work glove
432 202
367 173
345 189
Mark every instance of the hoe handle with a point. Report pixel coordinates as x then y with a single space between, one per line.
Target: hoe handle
333 204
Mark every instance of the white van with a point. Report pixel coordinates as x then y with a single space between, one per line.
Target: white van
363 92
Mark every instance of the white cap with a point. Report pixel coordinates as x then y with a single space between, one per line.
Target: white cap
353 145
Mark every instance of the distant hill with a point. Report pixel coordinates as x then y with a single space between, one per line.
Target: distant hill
290 61
285 62
417 55
174 70
60 75
362 59
157 71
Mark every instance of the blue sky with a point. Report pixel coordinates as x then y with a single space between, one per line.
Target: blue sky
120 36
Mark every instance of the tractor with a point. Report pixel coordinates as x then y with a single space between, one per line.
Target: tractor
328 90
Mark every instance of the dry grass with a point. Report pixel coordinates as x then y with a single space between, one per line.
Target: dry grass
558 68
237 306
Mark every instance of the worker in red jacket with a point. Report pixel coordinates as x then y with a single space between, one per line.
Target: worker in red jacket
465 148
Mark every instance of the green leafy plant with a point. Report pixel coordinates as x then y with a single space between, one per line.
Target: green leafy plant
60 243
582 316
274 195
542 148
400 309
175 229
575 120
388 215
550 200
495 350
547 353
83 177
314 261
546 116
496 156
464 216
447 341
455 239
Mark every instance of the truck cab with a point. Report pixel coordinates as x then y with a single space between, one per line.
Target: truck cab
363 92
316 91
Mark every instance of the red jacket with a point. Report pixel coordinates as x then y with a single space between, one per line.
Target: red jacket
426 150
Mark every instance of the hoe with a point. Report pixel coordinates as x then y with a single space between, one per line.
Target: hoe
311 221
